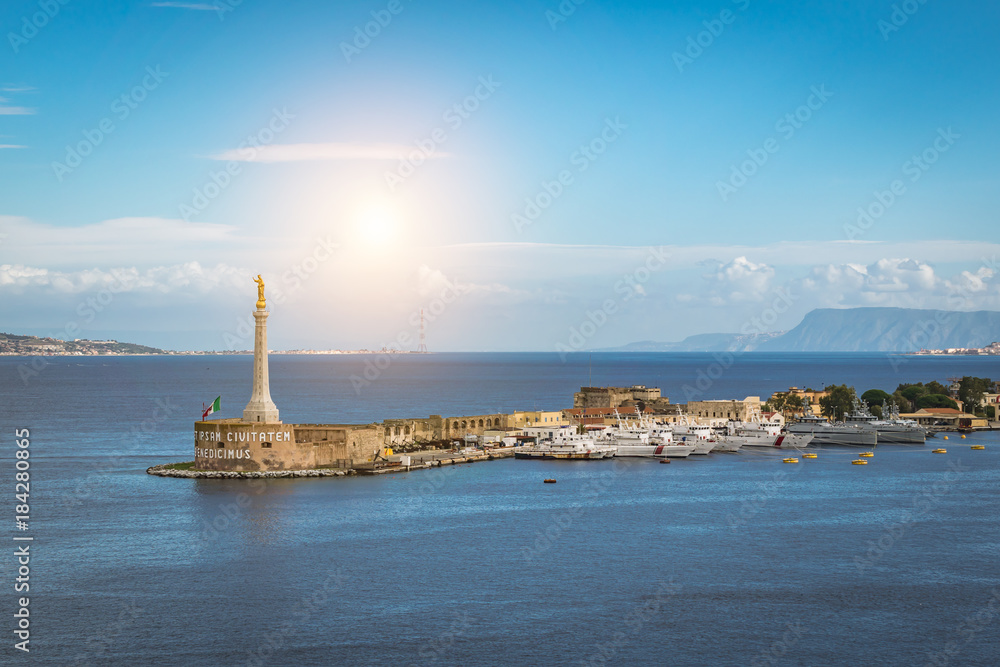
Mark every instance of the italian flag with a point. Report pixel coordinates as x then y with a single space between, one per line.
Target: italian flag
214 407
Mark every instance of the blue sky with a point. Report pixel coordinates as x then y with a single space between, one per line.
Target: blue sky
510 167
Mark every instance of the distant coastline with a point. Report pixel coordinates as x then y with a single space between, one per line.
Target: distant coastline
34 346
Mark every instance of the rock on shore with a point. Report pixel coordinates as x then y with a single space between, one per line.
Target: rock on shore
166 471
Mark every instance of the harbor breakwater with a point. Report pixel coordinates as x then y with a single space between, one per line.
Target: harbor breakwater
170 470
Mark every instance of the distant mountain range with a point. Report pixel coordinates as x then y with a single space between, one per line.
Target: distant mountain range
851 330
721 342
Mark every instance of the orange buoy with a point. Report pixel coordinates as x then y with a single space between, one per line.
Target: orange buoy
664 460
550 481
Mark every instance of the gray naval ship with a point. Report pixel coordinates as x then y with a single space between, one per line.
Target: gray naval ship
861 434
890 429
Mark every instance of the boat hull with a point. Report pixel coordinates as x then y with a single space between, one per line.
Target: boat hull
700 446
568 456
673 451
654 451
901 436
827 434
784 441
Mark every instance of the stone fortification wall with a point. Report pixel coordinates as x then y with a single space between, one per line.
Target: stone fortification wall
436 428
235 445
738 410
231 444
612 397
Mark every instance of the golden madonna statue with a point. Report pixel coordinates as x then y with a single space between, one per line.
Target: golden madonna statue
260 292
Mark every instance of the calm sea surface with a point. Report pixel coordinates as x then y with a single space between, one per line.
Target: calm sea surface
722 560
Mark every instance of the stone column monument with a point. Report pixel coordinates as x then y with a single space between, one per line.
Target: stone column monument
260 408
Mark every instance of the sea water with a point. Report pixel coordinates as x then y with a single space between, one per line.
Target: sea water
734 559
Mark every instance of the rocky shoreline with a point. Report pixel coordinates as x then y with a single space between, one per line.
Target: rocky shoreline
167 469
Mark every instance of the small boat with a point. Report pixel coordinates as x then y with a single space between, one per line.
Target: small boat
978 447
810 455
940 450
859 462
549 481
790 459
867 455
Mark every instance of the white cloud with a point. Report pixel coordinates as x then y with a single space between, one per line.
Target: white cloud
2 146
322 151
150 241
781 254
17 111
434 282
900 282
189 277
737 281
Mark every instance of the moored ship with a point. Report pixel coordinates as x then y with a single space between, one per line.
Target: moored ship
890 429
752 439
825 433
572 447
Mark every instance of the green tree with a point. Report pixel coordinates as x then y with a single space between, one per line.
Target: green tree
911 391
875 397
935 387
902 401
971 390
837 402
777 402
934 401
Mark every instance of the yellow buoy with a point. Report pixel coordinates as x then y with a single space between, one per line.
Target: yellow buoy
940 450
945 437
979 447
963 437
790 459
867 455
859 462
809 456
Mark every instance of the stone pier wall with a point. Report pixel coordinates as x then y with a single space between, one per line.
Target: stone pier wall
235 445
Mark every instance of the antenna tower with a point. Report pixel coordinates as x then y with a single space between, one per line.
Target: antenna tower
422 348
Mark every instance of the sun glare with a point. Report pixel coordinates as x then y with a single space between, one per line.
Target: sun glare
376 225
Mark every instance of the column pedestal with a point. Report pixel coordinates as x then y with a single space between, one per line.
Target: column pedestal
260 408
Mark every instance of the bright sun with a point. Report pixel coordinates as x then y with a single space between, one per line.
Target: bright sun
376 225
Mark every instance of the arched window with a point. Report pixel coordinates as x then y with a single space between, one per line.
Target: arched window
464 424
454 426
406 430
480 423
